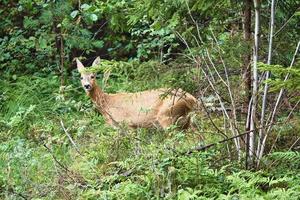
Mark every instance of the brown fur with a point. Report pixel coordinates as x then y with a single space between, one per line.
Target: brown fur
149 108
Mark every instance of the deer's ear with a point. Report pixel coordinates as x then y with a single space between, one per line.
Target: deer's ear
79 65
96 61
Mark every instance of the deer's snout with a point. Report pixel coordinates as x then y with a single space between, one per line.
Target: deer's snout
87 87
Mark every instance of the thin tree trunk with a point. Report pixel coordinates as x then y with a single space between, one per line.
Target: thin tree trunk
247 56
247 67
264 101
252 134
276 105
282 89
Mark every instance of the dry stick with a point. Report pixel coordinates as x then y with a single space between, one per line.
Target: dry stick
212 86
215 69
221 102
200 38
202 148
285 121
184 55
68 172
282 90
210 119
70 138
264 102
72 141
287 21
270 122
228 88
293 110
213 123
95 32
232 124
79 4
246 75
209 71
223 108
225 70
294 143
186 44
55 159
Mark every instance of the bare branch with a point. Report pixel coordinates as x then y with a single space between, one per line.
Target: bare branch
70 138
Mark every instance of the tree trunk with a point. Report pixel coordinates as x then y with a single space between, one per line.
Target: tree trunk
247 66
247 56
261 144
252 134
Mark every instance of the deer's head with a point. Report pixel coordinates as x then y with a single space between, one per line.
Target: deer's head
88 79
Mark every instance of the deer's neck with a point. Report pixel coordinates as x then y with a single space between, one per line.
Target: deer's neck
99 98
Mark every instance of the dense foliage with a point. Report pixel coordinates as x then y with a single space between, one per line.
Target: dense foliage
53 143
39 161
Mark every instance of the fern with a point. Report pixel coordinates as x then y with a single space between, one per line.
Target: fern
287 156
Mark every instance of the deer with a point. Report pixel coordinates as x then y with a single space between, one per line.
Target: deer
151 108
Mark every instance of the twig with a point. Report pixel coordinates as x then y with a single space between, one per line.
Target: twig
210 118
294 143
55 159
287 21
285 121
70 138
293 109
282 89
202 148
232 122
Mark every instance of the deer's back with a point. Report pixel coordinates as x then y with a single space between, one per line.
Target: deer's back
141 109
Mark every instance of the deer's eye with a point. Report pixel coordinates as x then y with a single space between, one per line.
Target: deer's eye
92 77
81 78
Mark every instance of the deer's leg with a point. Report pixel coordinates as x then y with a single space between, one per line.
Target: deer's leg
164 121
164 118
183 121
172 113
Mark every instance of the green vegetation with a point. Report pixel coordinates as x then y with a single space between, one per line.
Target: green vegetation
39 161
55 145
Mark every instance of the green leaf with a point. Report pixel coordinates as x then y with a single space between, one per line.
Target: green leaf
85 6
93 17
183 195
42 43
74 13
98 44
